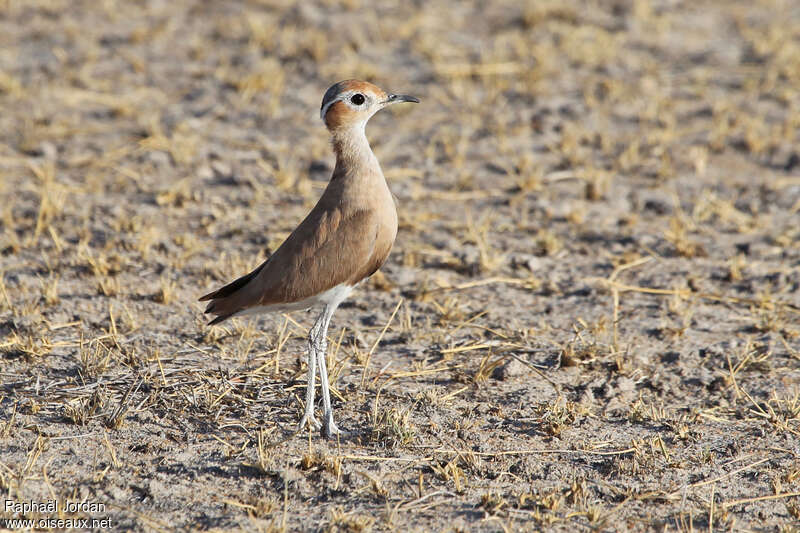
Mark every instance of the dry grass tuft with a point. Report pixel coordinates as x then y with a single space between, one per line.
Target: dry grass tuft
393 428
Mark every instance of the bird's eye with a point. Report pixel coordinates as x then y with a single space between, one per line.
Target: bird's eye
357 99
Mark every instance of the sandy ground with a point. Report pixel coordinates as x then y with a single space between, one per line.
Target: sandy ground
590 319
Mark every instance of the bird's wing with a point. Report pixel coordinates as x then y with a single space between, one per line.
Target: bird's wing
327 249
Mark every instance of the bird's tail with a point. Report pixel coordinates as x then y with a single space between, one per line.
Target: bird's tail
224 302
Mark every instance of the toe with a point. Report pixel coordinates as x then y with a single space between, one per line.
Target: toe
309 421
332 429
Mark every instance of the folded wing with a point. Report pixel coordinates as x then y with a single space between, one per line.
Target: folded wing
327 249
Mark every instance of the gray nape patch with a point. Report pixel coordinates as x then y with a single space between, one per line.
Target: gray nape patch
330 97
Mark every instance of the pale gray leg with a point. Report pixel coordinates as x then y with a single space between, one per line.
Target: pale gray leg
328 425
308 417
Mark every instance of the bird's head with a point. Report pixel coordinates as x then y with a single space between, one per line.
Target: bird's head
350 104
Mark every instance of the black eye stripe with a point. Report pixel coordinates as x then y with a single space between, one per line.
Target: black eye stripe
357 99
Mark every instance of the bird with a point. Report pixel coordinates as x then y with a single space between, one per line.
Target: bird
345 239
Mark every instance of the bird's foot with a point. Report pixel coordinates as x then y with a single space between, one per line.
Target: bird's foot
308 420
330 429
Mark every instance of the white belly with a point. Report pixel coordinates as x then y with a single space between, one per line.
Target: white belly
332 297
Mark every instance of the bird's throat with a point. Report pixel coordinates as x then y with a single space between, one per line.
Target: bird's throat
353 152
